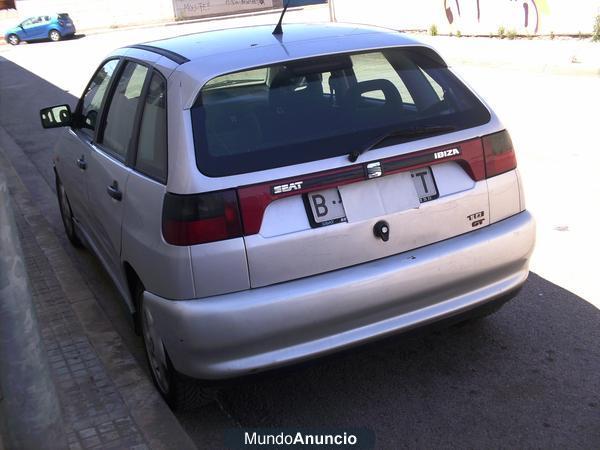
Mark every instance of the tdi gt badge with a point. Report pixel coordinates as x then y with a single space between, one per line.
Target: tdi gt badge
476 219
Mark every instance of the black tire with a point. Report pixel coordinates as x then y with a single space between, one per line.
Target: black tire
54 35
66 214
13 39
180 392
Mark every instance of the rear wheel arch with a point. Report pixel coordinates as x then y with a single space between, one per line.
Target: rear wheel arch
134 286
54 35
180 392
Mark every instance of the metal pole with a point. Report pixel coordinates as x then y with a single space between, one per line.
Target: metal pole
30 408
332 11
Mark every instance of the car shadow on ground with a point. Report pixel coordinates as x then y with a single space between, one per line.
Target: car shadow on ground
525 377
48 41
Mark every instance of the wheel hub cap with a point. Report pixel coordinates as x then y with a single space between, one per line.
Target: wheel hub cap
155 351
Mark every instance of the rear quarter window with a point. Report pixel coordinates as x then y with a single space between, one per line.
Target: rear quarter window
317 108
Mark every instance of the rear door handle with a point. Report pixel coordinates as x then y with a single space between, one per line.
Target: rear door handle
114 192
81 163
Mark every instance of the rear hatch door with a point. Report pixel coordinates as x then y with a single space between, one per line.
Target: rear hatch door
343 107
353 219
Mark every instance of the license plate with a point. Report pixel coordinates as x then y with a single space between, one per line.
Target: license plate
424 184
325 207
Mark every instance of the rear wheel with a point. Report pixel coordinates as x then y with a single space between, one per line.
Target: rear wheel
13 39
180 392
54 35
66 214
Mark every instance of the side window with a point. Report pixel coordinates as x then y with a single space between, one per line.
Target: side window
92 98
151 156
120 118
373 66
248 77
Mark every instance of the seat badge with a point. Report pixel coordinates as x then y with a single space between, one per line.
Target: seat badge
374 170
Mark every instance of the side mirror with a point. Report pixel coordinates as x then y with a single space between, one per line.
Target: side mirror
56 116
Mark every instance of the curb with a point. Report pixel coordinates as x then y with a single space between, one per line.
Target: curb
31 412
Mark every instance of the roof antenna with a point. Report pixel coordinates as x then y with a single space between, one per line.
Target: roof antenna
278 29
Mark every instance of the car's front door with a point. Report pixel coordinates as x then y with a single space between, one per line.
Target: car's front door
24 27
34 27
107 166
74 152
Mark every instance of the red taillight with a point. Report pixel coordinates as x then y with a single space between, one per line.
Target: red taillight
201 218
499 154
61 23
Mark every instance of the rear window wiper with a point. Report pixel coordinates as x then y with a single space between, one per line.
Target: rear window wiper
402 133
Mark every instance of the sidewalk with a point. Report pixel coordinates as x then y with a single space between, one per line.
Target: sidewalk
107 400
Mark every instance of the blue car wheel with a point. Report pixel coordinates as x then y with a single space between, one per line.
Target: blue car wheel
54 35
13 39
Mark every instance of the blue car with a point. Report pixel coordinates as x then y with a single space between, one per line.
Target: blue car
54 27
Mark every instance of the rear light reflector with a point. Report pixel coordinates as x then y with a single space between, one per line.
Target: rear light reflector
499 154
61 23
201 218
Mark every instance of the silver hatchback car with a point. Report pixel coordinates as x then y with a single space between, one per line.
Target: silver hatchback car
260 199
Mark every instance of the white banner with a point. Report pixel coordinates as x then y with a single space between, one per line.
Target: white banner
186 9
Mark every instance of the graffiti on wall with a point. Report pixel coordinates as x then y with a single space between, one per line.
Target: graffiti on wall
518 14
185 9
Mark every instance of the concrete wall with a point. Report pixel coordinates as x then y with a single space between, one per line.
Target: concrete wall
7 4
474 16
8 19
101 13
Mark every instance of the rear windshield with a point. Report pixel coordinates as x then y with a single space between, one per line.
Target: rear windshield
63 16
317 108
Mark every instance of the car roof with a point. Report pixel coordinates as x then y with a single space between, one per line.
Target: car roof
53 15
205 44
203 56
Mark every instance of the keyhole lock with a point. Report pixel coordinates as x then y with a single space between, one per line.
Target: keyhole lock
382 230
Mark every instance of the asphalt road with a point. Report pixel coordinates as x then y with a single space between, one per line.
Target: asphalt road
526 377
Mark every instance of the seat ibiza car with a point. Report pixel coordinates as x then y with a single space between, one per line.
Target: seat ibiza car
260 199
54 27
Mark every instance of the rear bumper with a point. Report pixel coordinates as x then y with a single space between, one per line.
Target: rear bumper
259 329
67 31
